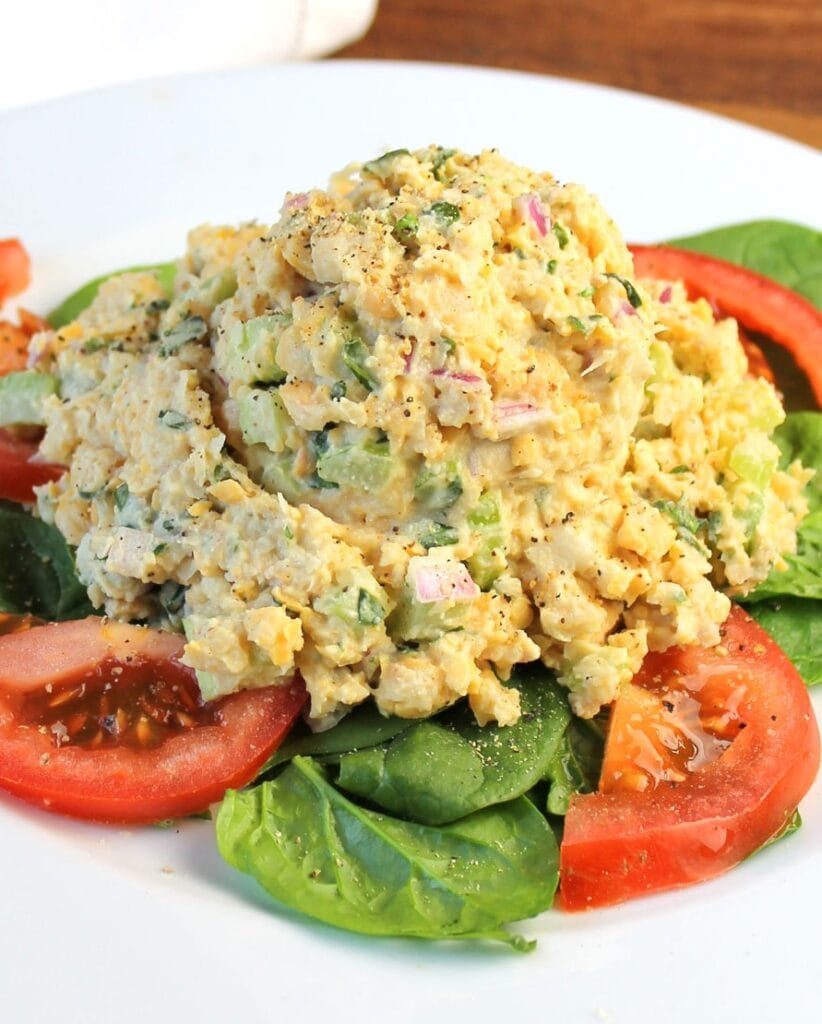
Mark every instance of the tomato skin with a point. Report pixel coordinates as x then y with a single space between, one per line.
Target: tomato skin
15 268
185 774
618 845
757 302
18 475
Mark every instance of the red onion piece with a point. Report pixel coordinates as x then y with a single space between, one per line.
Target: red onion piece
296 202
469 381
445 581
514 417
530 208
666 294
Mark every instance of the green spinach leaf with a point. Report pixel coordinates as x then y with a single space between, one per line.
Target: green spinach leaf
365 727
800 436
576 764
319 853
446 767
788 253
796 625
37 572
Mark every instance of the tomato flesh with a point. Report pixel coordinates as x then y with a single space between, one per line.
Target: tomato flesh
15 268
757 302
61 745
18 474
649 830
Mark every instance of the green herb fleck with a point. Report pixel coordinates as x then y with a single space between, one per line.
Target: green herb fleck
439 162
446 213
561 234
630 290
193 328
551 266
121 496
379 166
173 419
369 610
406 228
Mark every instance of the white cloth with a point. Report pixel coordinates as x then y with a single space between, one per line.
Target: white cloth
52 48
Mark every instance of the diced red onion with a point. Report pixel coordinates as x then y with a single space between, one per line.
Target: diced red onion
514 417
666 294
448 581
468 381
627 309
296 202
409 357
530 207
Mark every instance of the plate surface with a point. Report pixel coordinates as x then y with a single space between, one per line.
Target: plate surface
102 925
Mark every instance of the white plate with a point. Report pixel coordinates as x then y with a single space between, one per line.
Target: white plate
100 925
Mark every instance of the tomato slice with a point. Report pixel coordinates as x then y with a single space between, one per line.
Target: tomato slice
754 300
15 268
707 757
18 474
101 720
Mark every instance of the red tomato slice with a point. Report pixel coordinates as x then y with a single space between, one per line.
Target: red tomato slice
674 808
101 720
754 300
18 474
15 268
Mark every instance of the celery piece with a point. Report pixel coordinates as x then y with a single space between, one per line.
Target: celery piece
252 349
22 395
748 462
367 466
263 418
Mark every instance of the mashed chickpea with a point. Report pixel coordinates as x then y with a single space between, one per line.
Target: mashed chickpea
424 428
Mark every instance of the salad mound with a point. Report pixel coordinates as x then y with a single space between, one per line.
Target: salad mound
425 428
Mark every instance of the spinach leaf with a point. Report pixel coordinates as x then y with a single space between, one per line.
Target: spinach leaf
796 625
319 853
788 253
37 572
362 728
447 767
70 308
576 764
800 436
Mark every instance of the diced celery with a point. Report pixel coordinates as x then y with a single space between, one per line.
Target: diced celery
277 476
751 463
263 418
488 561
252 349
663 362
219 287
749 515
367 466
22 395
486 512
437 487
416 622
359 604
